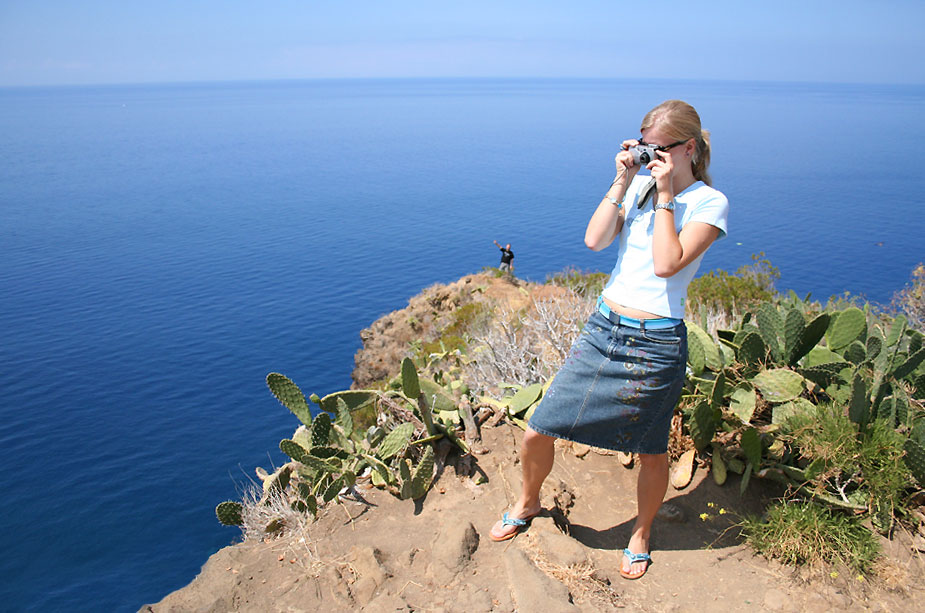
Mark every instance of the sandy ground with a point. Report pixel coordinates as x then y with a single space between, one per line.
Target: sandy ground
434 554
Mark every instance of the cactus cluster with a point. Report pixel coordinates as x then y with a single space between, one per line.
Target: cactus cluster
783 363
386 436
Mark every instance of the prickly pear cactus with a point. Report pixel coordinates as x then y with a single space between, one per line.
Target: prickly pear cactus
856 352
752 351
290 396
712 357
321 430
525 396
779 384
395 441
702 425
423 473
409 379
229 513
848 325
793 328
751 445
915 459
859 408
808 337
292 449
771 328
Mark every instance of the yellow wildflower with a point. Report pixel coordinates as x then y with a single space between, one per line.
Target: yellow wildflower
704 516
722 511
834 574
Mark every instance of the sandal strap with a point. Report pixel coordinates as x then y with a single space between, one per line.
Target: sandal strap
636 557
512 521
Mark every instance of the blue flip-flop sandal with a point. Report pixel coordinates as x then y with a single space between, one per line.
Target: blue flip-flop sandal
634 558
511 521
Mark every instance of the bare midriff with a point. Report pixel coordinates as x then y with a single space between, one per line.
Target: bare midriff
629 312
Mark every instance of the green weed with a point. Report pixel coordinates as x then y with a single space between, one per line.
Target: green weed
801 532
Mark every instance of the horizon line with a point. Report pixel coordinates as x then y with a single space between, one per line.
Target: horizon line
256 80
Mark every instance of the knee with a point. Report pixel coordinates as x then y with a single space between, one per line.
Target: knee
648 460
534 440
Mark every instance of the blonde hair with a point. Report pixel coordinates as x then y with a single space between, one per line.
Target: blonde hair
678 120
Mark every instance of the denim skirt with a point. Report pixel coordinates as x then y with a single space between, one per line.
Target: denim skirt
618 387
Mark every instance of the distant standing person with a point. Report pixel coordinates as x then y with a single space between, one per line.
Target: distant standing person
506 257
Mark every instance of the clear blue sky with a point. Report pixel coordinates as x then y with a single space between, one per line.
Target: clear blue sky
96 41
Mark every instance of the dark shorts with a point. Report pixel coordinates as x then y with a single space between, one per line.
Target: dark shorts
617 389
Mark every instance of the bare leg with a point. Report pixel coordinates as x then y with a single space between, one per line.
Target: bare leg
650 491
537 453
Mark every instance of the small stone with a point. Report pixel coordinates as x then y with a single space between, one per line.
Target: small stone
625 458
580 450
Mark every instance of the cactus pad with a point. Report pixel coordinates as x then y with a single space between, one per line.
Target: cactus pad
848 326
292 449
718 467
752 351
910 364
856 352
711 355
290 396
229 513
344 419
771 328
409 379
793 328
702 425
524 398
696 356
742 403
915 459
395 441
778 384
808 337
859 407
751 445
321 429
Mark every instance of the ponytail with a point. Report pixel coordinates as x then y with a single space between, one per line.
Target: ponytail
701 160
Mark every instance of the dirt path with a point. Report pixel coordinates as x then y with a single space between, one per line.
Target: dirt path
435 555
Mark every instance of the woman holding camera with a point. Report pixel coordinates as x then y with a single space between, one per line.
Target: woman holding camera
623 377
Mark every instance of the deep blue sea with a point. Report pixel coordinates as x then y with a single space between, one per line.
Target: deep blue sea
162 248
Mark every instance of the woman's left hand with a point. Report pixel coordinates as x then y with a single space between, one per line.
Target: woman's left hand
662 170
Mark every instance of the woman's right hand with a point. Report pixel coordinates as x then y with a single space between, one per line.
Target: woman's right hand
624 160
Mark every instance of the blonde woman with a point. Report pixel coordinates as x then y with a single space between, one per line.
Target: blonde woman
623 377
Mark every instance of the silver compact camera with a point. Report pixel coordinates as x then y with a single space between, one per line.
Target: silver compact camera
643 154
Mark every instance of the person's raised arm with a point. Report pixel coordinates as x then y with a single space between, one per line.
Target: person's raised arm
607 220
672 251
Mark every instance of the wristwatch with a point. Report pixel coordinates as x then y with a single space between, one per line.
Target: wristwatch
618 204
667 205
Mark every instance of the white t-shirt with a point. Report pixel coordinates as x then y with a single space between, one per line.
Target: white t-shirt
633 282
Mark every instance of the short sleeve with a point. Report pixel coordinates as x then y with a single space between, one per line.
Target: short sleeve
713 210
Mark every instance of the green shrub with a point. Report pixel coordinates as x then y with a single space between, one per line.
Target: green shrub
801 532
734 293
583 283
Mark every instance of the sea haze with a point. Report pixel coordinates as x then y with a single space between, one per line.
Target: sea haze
162 248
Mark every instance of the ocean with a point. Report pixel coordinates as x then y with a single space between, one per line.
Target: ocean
164 247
